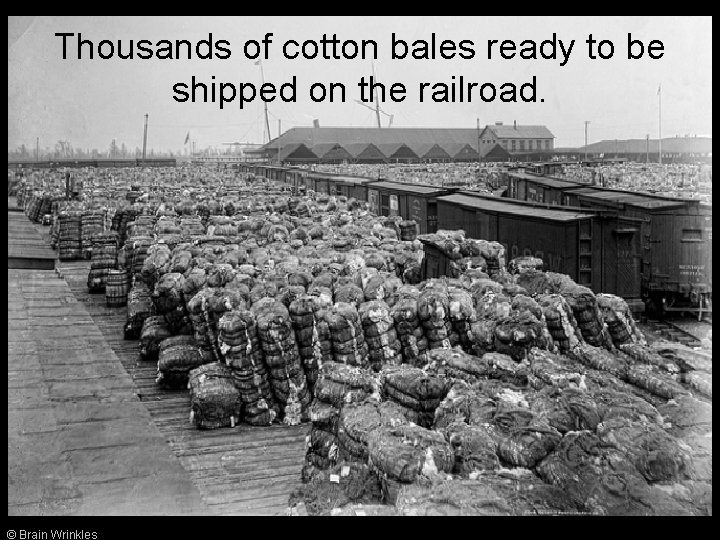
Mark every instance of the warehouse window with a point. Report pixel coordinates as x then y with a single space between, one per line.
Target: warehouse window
504 143
513 145
547 145
522 144
539 145
691 235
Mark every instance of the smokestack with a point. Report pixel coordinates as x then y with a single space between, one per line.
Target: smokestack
316 123
514 124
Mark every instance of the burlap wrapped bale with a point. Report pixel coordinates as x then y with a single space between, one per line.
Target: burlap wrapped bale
651 379
384 348
300 279
516 334
312 336
613 404
643 354
474 448
403 453
412 387
346 335
359 420
600 479
657 455
560 321
339 384
455 364
462 315
217 303
199 317
139 308
494 254
349 294
156 264
409 332
433 311
525 439
214 400
242 351
519 264
551 369
464 403
489 493
169 302
154 330
282 357
325 493
584 305
619 320
177 357
601 359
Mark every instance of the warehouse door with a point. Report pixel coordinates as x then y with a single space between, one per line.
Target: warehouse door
628 263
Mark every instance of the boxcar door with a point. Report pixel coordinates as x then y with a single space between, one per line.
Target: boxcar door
628 261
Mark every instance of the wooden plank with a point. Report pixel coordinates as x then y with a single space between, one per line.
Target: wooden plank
241 470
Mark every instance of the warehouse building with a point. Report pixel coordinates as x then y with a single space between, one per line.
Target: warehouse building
516 139
497 142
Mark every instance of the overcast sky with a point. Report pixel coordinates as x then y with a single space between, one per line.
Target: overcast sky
90 102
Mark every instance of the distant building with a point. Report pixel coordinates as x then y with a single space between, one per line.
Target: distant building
516 139
413 144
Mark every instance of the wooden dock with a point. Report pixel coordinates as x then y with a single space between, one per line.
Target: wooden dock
241 470
26 247
75 386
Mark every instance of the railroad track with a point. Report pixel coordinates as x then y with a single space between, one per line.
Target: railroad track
672 332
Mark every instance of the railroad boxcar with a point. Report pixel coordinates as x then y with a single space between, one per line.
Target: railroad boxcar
350 186
599 250
530 187
676 235
410 201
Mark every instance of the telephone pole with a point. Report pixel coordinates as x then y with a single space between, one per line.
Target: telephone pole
647 148
145 135
586 125
37 149
660 124
478 139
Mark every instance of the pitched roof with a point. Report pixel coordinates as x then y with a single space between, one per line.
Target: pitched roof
364 150
520 132
321 149
432 150
352 135
505 207
296 152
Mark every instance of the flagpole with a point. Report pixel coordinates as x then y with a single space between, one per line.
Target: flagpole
660 124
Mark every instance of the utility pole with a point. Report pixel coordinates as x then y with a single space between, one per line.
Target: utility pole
586 125
377 102
145 135
478 139
647 149
660 124
37 149
267 121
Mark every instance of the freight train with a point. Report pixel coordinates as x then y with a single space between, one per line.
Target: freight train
654 251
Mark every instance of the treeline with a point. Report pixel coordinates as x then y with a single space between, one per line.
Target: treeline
65 150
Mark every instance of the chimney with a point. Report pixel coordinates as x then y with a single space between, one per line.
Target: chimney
316 123
498 123
514 124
